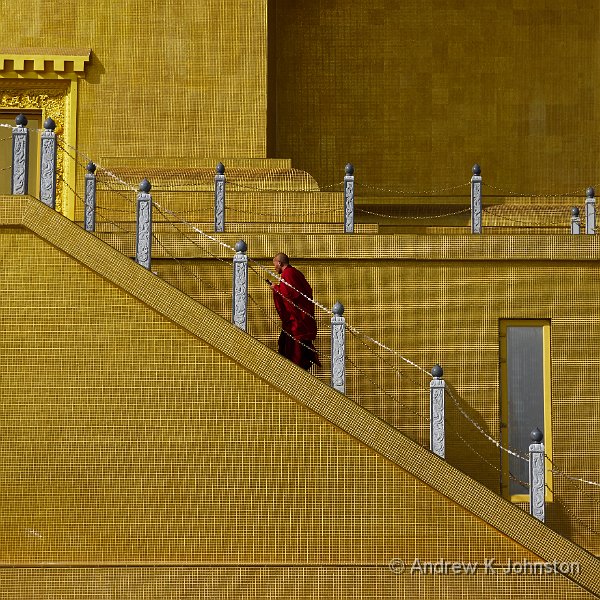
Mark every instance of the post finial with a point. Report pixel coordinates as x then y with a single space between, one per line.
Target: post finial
590 192
338 309
21 120
241 246
220 169
349 169
476 169
90 167
536 436
49 124
575 211
437 371
145 186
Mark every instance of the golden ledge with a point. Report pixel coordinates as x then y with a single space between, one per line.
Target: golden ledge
44 59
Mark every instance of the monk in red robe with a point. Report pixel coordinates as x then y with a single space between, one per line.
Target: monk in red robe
292 297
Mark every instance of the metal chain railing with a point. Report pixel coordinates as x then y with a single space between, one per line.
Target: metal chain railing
413 193
350 328
413 218
522 195
358 334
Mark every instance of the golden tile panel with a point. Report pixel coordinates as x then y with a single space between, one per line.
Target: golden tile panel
162 80
152 462
414 94
287 581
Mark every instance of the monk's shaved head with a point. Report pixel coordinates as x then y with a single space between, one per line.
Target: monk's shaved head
284 259
281 262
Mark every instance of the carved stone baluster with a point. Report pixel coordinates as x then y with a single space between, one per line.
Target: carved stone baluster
90 197
537 476
575 221
338 348
48 164
143 241
19 183
239 305
590 211
220 198
437 432
476 199
349 199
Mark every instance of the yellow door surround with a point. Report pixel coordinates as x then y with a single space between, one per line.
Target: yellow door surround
544 324
46 79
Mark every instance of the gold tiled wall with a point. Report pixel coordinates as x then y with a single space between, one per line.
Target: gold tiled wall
415 92
269 583
166 80
448 312
125 440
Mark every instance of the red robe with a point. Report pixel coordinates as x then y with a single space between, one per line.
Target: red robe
297 315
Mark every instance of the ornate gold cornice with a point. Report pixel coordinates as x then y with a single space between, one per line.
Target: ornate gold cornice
47 79
44 60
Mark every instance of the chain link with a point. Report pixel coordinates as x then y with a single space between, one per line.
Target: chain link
398 372
497 443
261 189
99 167
497 216
271 215
102 210
114 210
570 512
163 212
194 228
14 127
182 266
377 387
458 212
408 193
557 471
509 193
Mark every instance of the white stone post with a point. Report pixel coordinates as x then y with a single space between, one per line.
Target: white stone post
575 221
143 240
338 348
349 199
590 211
89 217
476 199
537 476
19 182
239 305
48 149
437 432
220 198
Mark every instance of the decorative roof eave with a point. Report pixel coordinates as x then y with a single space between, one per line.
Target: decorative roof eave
44 60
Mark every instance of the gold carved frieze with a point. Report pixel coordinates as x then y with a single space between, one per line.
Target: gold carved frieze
49 97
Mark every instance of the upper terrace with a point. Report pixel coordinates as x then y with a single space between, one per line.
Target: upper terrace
411 300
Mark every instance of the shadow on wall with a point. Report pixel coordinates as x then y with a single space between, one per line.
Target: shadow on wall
558 519
467 448
94 70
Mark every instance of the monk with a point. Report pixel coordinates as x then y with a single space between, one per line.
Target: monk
297 314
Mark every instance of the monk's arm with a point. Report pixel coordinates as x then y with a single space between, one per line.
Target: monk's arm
288 288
